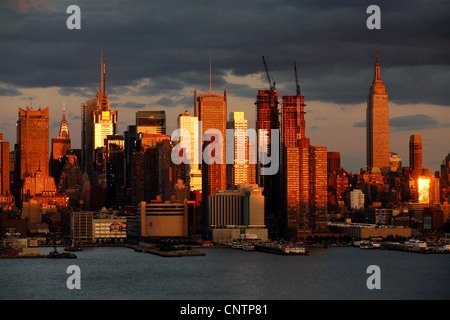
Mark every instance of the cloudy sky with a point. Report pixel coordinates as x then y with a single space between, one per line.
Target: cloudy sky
157 52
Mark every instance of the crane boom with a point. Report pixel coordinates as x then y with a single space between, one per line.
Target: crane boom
271 85
297 84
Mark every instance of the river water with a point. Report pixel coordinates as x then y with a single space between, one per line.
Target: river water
229 274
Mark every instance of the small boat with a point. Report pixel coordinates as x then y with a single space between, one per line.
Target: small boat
295 250
366 244
248 247
237 245
416 243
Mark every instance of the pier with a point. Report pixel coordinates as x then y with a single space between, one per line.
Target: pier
410 248
282 250
145 248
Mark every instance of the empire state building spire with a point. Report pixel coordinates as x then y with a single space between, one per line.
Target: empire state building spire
377 76
377 85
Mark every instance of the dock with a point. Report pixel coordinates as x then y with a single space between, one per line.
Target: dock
282 250
167 254
416 249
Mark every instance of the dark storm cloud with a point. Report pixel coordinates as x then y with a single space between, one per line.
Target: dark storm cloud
170 42
133 105
410 122
416 122
77 91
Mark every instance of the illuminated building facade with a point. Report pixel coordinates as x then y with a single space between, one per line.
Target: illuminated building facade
304 173
242 171
211 110
151 122
4 166
39 183
33 142
377 123
193 174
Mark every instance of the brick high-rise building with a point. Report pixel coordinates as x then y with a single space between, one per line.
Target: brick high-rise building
333 161
303 173
32 142
377 122
211 110
4 166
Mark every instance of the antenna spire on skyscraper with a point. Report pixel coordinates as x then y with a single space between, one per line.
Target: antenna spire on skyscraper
377 77
103 72
210 86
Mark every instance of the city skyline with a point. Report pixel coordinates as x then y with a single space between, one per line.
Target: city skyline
135 131
333 83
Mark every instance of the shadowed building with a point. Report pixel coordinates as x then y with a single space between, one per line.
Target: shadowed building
415 153
267 119
60 146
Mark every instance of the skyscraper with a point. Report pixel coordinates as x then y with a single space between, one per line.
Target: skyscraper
115 170
415 153
4 166
98 121
211 110
242 171
193 177
377 122
32 141
303 178
267 119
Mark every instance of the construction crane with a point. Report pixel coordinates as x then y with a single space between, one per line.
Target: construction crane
271 85
299 101
297 84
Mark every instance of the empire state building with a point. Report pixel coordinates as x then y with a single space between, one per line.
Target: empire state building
377 122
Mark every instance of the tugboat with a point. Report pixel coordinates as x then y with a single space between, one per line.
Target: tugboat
56 254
